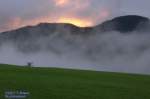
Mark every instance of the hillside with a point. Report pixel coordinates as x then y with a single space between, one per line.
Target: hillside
120 24
54 83
126 24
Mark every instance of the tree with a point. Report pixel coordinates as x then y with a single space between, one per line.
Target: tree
29 64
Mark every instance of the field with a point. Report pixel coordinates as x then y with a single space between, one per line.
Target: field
54 83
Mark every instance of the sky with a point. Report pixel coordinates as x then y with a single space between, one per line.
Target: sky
18 13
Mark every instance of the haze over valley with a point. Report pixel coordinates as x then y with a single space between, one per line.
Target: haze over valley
121 44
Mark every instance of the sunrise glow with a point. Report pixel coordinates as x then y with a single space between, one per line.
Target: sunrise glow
77 12
61 2
75 21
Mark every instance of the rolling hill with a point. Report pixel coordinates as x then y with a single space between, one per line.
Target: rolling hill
54 83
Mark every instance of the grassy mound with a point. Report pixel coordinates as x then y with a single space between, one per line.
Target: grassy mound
53 83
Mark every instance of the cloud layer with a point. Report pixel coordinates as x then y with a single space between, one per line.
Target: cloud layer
18 13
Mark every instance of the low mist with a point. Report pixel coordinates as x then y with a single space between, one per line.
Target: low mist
108 51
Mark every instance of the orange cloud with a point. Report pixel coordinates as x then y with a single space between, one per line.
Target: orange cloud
15 22
12 24
75 21
66 11
18 22
61 2
64 19
73 5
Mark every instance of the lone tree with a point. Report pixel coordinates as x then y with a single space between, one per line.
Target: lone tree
29 64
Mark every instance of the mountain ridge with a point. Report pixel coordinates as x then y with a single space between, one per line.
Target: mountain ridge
26 37
120 22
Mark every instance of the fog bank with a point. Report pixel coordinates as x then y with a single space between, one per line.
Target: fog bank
109 51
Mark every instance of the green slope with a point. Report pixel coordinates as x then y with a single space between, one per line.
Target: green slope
52 83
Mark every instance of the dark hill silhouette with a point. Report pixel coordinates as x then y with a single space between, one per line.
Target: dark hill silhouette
121 24
124 24
25 38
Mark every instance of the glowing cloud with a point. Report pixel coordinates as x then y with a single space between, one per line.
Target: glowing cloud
75 21
81 13
61 2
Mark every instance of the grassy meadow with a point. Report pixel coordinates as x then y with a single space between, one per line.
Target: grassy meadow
55 83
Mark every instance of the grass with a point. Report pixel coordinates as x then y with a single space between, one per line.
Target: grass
53 83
